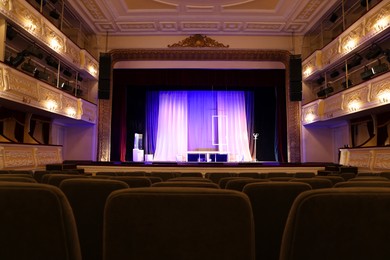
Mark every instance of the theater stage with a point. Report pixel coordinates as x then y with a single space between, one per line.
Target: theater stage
203 167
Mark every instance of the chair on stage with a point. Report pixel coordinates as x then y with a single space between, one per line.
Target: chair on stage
36 222
87 198
178 223
335 223
271 203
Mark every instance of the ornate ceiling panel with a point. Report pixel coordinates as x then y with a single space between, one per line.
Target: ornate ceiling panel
219 17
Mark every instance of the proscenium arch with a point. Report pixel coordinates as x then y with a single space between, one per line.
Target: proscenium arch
202 54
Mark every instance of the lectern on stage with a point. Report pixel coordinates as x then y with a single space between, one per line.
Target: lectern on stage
138 152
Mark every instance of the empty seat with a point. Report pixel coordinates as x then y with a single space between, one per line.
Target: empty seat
280 178
186 184
369 178
216 176
362 184
332 178
106 173
154 179
239 184
178 223
347 175
277 174
56 179
315 183
198 179
137 173
164 175
134 181
350 223
271 203
191 174
304 174
17 179
249 174
87 198
36 222
222 182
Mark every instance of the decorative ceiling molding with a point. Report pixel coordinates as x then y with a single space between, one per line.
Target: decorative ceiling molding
221 17
197 41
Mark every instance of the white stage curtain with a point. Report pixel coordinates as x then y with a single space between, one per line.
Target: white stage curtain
172 132
232 125
190 120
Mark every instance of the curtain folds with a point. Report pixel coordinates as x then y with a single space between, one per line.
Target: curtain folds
201 121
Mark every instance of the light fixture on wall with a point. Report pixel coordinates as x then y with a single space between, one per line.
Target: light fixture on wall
70 111
350 44
354 105
310 117
51 104
384 96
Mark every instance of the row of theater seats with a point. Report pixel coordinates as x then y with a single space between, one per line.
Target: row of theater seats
100 217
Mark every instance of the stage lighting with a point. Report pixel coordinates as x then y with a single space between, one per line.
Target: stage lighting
42 75
27 66
325 92
35 51
353 62
367 73
19 59
52 62
67 73
66 87
374 51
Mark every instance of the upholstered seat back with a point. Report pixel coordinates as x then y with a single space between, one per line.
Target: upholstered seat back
36 222
338 224
178 223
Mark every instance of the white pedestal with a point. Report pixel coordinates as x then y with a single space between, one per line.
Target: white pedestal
138 155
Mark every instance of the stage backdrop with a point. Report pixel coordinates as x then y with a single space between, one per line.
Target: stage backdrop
239 102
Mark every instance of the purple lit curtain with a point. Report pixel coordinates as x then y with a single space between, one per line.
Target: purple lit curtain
202 121
172 126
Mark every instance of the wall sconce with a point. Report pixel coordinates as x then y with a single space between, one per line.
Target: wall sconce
51 104
354 105
55 43
310 116
384 96
382 23
29 24
70 111
350 45
92 69
308 71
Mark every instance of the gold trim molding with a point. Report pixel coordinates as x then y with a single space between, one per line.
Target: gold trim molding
201 54
198 41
